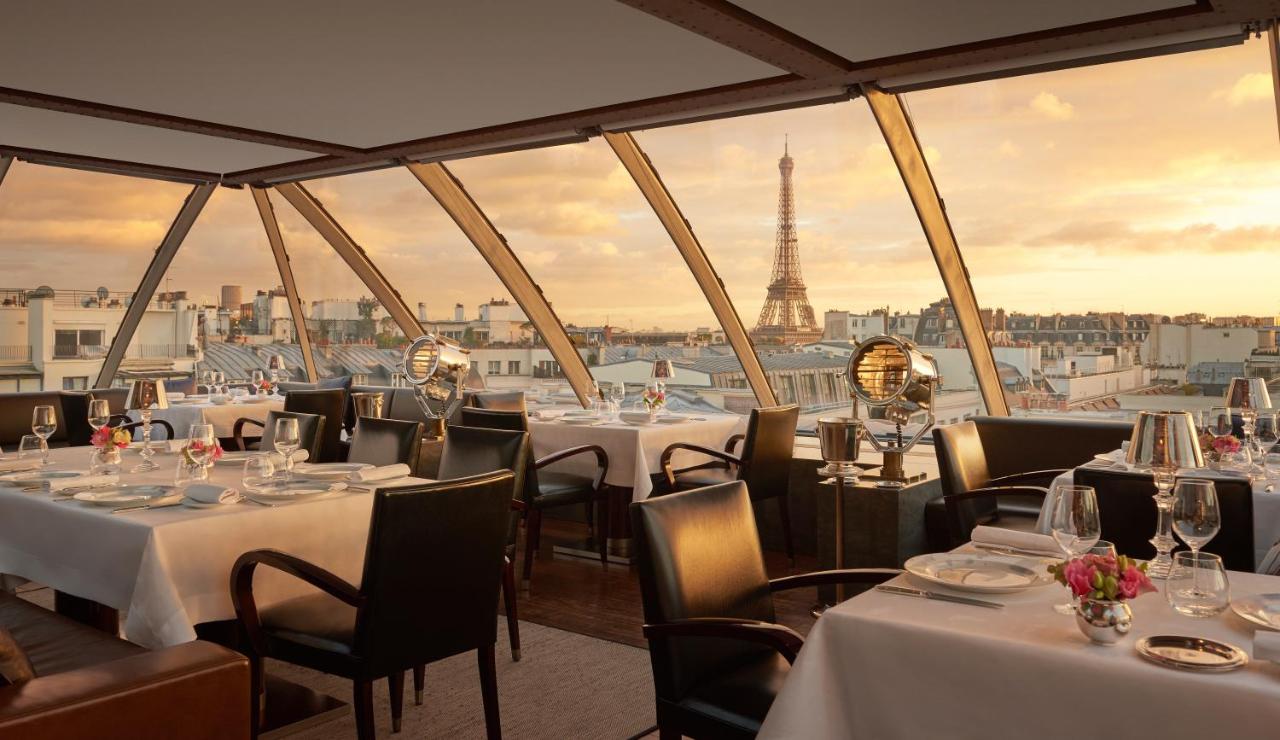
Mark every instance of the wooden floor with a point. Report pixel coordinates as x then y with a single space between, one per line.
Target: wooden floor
582 596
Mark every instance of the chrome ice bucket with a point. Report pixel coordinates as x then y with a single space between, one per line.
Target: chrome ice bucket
368 404
840 438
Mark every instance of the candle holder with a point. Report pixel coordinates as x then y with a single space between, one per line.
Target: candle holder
145 396
1163 442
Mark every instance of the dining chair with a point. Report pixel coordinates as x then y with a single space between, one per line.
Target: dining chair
330 403
386 442
499 400
1128 515
427 592
546 489
1270 565
470 451
717 652
310 429
764 464
75 413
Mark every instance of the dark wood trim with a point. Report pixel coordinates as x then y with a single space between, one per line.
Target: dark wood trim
110 166
30 99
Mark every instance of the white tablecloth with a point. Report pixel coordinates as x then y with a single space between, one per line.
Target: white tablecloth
1266 513
170 568
634 451
223 418
883 667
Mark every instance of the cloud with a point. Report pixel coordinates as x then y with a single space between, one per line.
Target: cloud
1113 238
1249 88
1049 105
1009 149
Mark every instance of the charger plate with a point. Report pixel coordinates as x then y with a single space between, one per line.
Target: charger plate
980 572
1191 653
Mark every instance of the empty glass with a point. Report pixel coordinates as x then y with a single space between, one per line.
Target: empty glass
287 442
258 473
31 446
1197 585
1272 464
44 422
1196 515
1103 548
1074 522
99 413
617 394
201 444
1219 422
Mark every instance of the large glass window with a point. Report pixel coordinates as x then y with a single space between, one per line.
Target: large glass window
1120 225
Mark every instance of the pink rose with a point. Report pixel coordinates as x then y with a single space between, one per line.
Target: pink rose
1080 577
1134 583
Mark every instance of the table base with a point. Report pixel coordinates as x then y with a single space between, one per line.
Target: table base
619 552
290 708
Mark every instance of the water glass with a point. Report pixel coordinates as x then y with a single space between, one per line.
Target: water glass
287 442
1219 422
31 446
99 413
44 422
1265 433
617 393
1103 548
201 443
258 473
1197 585
1272 464
189 473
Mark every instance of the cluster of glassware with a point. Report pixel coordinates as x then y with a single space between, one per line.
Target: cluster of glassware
260 471
1197 585
1259 430
44 422
607 405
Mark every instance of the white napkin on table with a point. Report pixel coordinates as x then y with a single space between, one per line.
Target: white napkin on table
547 413
381 472
1266 646
83 481
18 466
210 494
175 395
1029 541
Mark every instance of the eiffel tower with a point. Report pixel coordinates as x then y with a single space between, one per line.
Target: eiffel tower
787 317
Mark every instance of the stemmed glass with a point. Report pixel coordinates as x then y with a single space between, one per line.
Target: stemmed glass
1265 436
44 422
99 413
287 442
257 381
1075 524
617 394
1218 421
1196 517
202 435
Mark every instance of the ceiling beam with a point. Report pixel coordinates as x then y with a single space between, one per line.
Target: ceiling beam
731 26
29 99
110 166
5 161
1273 43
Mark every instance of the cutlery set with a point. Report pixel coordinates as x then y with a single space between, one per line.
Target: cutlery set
920 593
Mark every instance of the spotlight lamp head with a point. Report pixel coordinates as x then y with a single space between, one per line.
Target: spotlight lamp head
436 368
896 381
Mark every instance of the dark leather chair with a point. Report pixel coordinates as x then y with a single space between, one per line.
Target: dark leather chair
997 470
1128 515
473 450
386 442
765 463
332 405
499 400
310 432
718 654
75 414
428 592
545 489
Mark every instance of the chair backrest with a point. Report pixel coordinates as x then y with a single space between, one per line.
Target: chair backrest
1129 516
962 467
432 570
472 450
512 421
1020 444
15 415
329 403
1270 565
499 400
75 414
310 432
178 385
699 556
766 451
386 442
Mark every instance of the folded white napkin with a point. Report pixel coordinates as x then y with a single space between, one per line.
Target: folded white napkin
298 456
175 395
210 494
18 466
381 472
1030 541
84 481
547 413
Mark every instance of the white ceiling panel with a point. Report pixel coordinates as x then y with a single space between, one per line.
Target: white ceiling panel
66 133
357 73
860 30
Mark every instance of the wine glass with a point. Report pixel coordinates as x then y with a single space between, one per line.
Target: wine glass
44 422
99 413
287 441
1196 515
258 472
617 394
1219 422
29 446
201 444
1075 524
257 381
1265 437
1197 585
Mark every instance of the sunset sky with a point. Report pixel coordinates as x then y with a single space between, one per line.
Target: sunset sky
1146 186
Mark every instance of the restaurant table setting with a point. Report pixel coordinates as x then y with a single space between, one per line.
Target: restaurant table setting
221 411
161 551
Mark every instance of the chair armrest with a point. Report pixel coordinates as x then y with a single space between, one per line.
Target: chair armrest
193 690
997 492
783 639
238 430
242 586
733 442
602 460
665 460
868 576
1024 478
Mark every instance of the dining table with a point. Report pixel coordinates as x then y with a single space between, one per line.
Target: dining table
182 413
888 666
168 569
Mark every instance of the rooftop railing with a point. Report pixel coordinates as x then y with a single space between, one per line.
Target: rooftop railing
15 353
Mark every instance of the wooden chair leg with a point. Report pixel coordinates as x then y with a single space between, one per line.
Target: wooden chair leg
784 509
362 699
602 532
395 685
419 679
532 530
489 690
257 681
509 602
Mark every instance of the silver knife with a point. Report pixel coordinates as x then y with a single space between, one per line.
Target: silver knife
922 594
140 507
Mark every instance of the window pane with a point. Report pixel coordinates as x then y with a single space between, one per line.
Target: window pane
1120 222
76 246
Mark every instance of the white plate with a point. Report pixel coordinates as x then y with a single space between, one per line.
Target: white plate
580 421
672 419
637 422
980 573
252 399
1262 609
124 495
327 471
192 504
295 492
36 477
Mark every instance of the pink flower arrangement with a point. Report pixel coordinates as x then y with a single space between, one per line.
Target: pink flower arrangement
196 448
265 386
654 398
1104 577
107 436
1226 444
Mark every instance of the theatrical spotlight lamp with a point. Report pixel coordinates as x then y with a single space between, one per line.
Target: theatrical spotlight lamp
436 367
896 381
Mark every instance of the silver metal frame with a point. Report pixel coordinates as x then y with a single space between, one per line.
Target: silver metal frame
262 199
900 136
466 213
686 242
315 214
178 230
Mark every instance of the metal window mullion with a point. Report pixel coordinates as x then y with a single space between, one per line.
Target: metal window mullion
900 136
466 213
1273 44
355 257
178 230
262 199
686 242
4 167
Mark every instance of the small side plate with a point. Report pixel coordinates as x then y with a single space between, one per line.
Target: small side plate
1261 609
1192 653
